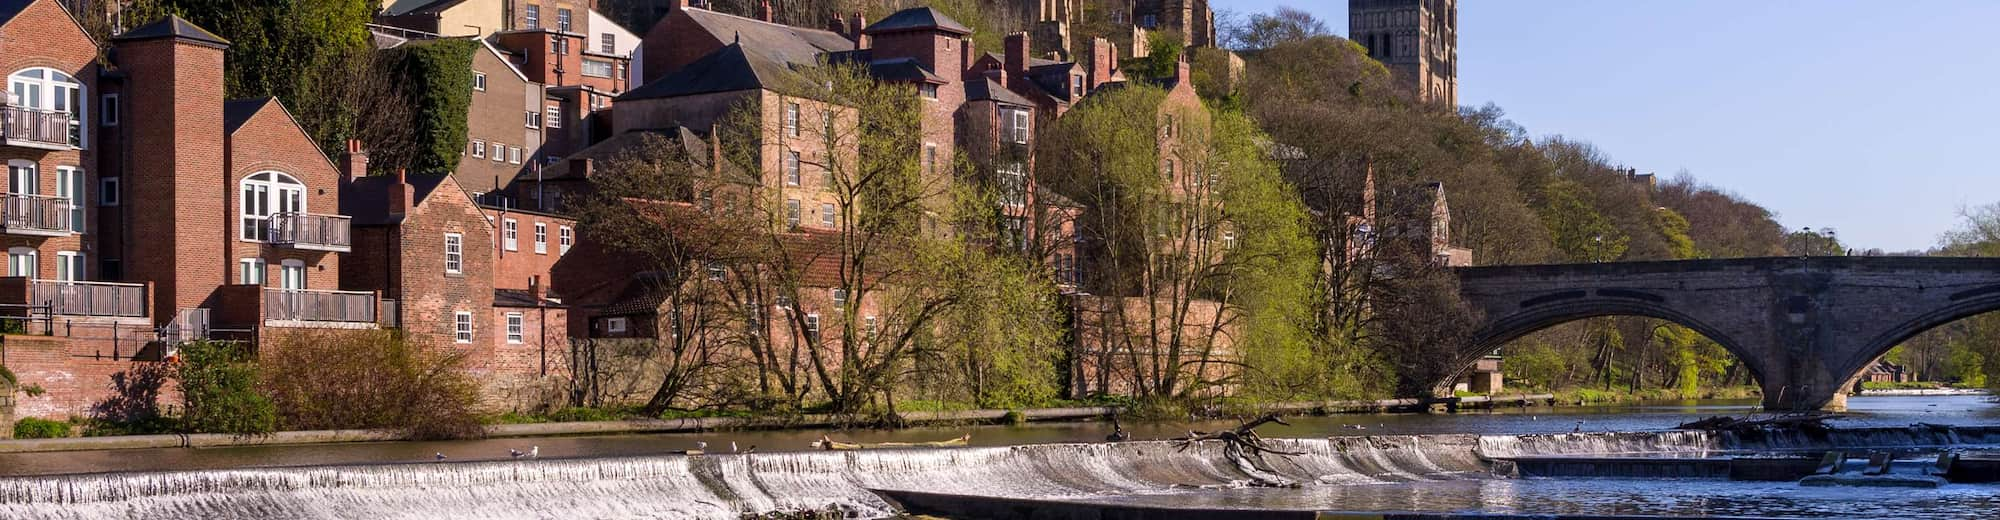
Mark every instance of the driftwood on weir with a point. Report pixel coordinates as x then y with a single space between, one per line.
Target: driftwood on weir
1811 421
1244 447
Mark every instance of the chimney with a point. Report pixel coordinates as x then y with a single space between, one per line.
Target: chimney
1103 60
715 149
677 5
354 163
536 288
401 194
857 23
1016 57
968 56
764 11
838 26
580 168
1181 69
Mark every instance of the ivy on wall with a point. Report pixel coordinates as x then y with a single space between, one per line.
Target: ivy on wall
435 78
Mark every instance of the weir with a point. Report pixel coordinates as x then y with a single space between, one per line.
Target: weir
727 486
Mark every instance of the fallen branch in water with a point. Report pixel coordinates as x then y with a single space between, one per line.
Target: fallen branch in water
1808 421
1243 446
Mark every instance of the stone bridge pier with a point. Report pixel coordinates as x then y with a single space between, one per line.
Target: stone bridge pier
1806 328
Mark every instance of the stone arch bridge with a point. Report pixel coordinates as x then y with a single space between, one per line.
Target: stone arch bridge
1806 328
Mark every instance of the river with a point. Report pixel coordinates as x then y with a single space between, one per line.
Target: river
1411 462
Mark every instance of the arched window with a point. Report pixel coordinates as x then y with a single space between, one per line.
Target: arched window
21 262
265 194
48 90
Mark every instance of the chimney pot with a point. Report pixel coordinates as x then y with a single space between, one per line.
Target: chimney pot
764 12
855 25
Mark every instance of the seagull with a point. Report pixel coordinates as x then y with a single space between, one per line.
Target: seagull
439 455
516 453
751 449
1579 427
732 446
534 452
699 445
1354 427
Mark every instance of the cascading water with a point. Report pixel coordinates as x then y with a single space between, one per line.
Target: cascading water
727 486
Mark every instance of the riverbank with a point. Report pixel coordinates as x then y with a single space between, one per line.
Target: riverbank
704 424
1925 392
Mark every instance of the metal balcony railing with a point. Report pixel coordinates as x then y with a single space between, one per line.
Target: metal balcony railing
22 126
37 215
188 325
73 298
314 232
330 306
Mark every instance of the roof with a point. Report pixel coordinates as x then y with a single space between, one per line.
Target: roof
985 89
902 70
438 6
235 112
781 43
693 145
521 298
11 8
642 293
918 19
1049 197
732 68
367 199
172 27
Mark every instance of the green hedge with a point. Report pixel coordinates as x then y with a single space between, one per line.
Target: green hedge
437 79
32 428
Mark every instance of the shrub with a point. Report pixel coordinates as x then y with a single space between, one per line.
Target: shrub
32 428
134 406
218 385
7 377
375 379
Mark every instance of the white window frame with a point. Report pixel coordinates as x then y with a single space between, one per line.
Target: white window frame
812 326
514 155
792 118
828 216
70 266
108 191
54 91
479 148
250 271
499 152
264 194
793 163
69 185
515 326
839 297
608 42
462 328
510 234
534 119
615 325
564 239
454 253
292 275
24 262
108 109
532 16
608 69
479 81
541 238
1020 125
563 18
24 177
793 210
554 119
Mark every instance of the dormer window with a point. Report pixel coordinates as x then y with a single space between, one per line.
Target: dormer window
929 91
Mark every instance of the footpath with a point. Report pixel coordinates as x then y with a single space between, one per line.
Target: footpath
645 426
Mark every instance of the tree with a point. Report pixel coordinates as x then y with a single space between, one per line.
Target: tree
1263 31
305 53
218 385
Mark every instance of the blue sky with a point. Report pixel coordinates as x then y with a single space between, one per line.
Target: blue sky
1832 113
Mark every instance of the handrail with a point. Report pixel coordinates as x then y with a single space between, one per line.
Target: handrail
319 305
35 214
40 126
83 298
312 230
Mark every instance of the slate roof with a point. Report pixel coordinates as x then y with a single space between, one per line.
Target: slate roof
690 143
643 293
729 69
11 8
903 70
915 19
367 198
432 8
235 112
172 27
780 43
985 89
521 298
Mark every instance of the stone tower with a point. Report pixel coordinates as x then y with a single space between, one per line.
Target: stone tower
1418 39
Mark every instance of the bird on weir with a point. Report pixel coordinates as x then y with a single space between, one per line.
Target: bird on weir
439 455
1118 433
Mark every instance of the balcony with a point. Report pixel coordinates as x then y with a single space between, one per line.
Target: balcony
296 305
35 215
43 129
312 232
71 298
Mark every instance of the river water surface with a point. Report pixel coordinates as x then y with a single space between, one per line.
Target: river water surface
1408 463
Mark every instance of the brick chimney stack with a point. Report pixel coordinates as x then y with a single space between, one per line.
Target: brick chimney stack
969 55
1016 57
677 5
1103 60
765 13
855 23
401 193
353 163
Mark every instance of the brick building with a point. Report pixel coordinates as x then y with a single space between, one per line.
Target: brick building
1418 39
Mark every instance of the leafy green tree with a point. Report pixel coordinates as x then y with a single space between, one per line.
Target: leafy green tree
218 384
304 52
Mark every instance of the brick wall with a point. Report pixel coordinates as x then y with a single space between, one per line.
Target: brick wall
520 375
271 141
499 115
175 114
1105 341
524 265
429 296
43 35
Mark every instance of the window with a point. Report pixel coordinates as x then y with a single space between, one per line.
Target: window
1168 170
479 81
827 216
49 90
107 191
510 232
563 239
1018 127
792 168
614 325
792 119
792 212
292 275
109 111
265 194
534 119
1228 240
541 238
454 253
462 327
868 328
561 46
597 68
250 271
928 90
69 186
1013 232
514 326
499 152
562 20
514 154
113 269
555 117
839 299
608 43
716 273
69 266
532 18
479 148
812 328
1076 86
21 261
930 158
826 119
1013 185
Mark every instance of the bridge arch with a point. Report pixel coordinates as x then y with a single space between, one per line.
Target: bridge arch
1536 316
1963 305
